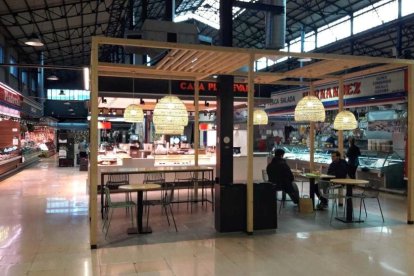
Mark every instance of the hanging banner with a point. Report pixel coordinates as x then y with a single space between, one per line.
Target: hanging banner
365 90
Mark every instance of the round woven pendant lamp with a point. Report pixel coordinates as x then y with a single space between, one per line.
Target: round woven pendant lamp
260 117
310 109
169 129
170 110
133 114
345 120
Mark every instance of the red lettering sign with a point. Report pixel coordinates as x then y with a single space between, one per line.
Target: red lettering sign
9 96
211 87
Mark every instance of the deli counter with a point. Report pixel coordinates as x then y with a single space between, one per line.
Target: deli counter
385 168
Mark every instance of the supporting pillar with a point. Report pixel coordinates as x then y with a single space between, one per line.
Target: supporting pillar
410 146
311 137
341 132
196 122
250 130
93 148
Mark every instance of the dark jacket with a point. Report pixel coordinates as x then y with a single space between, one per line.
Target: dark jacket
339 169
279 172
352 154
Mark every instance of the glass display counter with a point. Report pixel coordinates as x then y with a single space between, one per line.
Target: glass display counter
387 168
10 158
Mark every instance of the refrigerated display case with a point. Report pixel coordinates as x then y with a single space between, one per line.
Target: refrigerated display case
386 168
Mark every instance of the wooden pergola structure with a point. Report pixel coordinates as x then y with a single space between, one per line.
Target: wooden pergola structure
199 62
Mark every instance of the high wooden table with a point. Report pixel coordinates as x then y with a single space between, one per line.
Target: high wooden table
312 178
350 183
206 173
140 188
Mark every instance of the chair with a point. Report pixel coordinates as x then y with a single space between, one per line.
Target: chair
370 191
113 205
183 180
330 192
282 200
164 200
116 180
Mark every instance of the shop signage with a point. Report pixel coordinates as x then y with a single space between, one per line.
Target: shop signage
211 87
9 96
4 110
104 125
357 91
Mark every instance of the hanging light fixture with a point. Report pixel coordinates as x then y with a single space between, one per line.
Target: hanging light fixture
259 115
170 110
345 120
133 113
169 129
310 109
52 77
170 115
34 41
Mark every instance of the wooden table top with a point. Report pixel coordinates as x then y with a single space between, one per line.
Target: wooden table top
312 175
140 187
166 169
349 181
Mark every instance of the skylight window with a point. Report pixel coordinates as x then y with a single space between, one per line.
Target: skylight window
208 13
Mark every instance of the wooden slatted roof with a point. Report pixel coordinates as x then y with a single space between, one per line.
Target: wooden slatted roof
200 62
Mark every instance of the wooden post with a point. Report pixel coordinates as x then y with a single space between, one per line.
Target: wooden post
250 107
93 146
410 146
196 122
311 137
341 132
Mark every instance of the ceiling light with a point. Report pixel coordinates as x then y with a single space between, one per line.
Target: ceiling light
104 101
52 78
66 103
133 114
62 93
304 59
260 117
310 109
345 120
34 41
170 110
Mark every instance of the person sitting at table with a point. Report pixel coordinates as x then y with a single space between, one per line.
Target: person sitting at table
279 173
338 168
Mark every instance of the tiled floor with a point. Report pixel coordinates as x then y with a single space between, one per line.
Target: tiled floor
44 230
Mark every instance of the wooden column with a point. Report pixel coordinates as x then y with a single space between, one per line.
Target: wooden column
196 122
250 108
341 132
93 146
410 146
341 108
311 137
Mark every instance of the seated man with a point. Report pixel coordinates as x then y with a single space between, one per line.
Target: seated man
339 168
279 173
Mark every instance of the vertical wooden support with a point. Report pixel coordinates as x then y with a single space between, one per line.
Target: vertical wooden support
410 146
93 148
311 137
250 107
196 122
196 133
341 132
341 108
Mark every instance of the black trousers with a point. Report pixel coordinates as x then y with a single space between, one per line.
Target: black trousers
352 171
